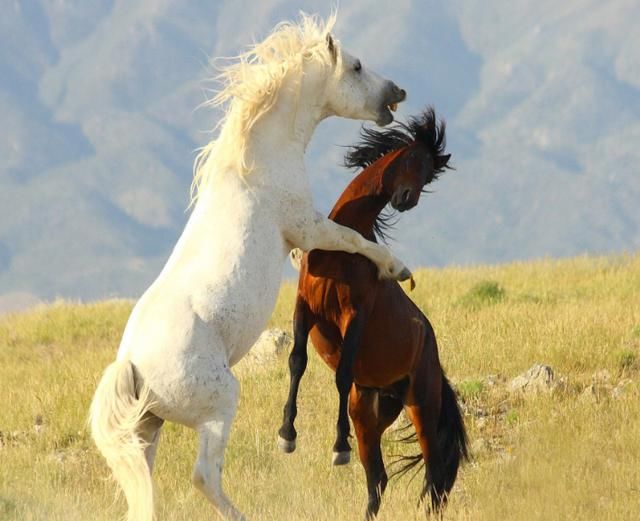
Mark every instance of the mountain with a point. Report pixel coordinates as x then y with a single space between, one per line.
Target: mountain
99 103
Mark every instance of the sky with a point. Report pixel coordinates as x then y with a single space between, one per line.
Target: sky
100 103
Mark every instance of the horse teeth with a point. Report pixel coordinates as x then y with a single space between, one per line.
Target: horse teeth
393 107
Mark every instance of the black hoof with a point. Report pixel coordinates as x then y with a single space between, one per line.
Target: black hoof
341 458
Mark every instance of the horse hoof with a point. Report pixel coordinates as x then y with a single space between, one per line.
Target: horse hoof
341 458
405 274
286 445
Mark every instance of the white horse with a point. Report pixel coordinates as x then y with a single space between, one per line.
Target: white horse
253 204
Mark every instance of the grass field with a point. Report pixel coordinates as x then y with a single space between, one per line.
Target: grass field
573 453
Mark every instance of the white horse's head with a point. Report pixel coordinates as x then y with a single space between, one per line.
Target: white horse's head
353 91
299 66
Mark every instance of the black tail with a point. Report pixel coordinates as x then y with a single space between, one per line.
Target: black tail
452 440
452 436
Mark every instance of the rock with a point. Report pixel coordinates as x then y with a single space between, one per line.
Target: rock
479 446
480 412
595 392
539 378
601 376
589 394
506 454
59 456
620 389
598 391
271 343
481 422
493 379
68 455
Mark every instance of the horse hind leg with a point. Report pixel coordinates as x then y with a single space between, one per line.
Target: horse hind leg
149 432
423 408
214 433
372 413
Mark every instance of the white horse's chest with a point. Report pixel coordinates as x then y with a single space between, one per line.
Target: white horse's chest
218 289
238 299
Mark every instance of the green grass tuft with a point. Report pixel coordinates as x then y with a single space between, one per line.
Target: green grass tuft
470 389
512 417
483 293
627 359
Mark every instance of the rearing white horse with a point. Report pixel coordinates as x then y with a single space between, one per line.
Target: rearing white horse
253 204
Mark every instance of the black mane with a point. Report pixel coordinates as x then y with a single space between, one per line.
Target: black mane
423 129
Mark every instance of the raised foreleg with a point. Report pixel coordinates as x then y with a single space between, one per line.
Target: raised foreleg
320 233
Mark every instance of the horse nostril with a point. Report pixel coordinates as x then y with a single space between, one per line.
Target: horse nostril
398 91
405 195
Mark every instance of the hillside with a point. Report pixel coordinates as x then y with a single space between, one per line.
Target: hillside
98 104
570 453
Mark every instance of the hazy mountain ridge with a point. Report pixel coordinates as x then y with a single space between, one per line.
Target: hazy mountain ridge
98 103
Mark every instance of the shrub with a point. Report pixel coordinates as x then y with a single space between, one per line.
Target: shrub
486 292
626 359
469 389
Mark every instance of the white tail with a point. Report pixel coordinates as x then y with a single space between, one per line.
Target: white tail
115 415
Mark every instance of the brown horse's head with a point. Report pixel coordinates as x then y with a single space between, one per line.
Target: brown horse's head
418 163
407 157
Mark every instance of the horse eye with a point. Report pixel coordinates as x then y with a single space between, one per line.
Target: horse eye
357 66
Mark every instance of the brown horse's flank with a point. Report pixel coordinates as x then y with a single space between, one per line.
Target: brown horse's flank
381 346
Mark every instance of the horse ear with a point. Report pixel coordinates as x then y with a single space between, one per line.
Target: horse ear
441 161
332 48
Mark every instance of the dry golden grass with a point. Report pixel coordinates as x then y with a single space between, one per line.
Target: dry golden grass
571 454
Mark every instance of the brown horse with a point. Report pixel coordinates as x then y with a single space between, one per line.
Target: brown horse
381 346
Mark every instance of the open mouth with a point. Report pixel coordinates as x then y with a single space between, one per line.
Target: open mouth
386 114
390 106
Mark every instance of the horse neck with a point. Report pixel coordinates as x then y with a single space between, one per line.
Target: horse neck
364 198
282 134
274 146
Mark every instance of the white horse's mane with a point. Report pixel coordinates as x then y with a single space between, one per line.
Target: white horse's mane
249 88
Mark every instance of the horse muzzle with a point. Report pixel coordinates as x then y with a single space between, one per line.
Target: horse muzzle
392 96
403 200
